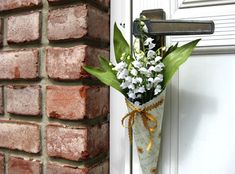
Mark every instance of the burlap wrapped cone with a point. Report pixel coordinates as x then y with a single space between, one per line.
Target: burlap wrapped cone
148 153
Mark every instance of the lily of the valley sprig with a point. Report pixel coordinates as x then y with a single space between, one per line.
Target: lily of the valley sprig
142 76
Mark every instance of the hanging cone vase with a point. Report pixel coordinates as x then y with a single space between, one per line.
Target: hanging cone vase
146 122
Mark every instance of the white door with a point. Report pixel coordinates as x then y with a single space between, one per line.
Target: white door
198 135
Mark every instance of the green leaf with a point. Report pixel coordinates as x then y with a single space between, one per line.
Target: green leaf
107 77
171 49
105 64
176 58
120 44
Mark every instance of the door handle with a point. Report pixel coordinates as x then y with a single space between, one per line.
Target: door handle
158 26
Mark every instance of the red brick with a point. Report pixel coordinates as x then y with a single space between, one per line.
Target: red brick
20 64
23 99
78 22
1 100
78 102
66 63
23 28
20 136
104 3
1 163
15 4
53 168
18 165
76 143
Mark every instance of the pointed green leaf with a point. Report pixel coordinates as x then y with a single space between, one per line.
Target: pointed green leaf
105 64
177 57
107 77
171 49
120 44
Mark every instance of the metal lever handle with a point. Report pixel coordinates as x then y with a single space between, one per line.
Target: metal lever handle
175 27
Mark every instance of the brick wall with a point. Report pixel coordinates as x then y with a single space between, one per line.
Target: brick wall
53 115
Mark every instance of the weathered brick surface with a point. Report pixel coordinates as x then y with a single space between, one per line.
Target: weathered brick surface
78 102
19 135
20 64
1 100
78 22
105 3
14 4
23 99
66 63
76 143
45 43
22 166
1 163
24 28
53 168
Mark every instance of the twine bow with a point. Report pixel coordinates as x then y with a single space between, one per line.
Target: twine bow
146 118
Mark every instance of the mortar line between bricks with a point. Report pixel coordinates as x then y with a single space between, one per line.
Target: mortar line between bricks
7 116
61 43
5 32
22 154
45 121
88 82
86 163
6 163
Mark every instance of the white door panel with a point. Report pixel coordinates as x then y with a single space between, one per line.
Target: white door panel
119 145
207 115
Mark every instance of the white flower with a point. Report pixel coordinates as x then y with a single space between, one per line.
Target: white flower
145 29
131 95
137 103
143 70
157 90
150 80
161 65
148 41
134 72
122 74
151 46
138 96
151 54
157 80
139 80
136 64
140 90
152 62
149 86
128 79
160 76
151 68
158 68
157 58
120 66
131 86
124 85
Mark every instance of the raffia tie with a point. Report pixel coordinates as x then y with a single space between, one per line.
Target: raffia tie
146 118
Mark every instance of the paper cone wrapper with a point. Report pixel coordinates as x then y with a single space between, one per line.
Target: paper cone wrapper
149 159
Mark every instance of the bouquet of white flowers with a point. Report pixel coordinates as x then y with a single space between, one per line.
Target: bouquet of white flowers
142 78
